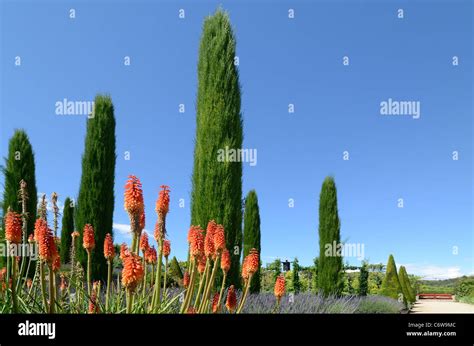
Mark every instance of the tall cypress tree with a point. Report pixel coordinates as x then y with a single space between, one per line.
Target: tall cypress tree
66 230
217 179
95 203
296 276
330 279
364 279
405 284
252 233
20 164
391 284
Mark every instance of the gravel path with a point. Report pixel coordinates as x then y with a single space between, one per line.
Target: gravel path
427 306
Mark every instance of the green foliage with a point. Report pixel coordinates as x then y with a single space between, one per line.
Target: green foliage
20 164
405 284
330 279
364 279
391 285
175 271
315 274
295 278
465 287
95 204
66 230
217 186
252 233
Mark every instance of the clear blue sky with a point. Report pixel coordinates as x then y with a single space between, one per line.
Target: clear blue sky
282 61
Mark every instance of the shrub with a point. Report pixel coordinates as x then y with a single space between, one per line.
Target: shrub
252 233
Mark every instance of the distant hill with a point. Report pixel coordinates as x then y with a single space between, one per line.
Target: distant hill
440 286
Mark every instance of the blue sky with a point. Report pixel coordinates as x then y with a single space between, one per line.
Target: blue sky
282 61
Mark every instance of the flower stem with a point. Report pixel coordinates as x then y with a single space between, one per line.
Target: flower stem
109 282
165 278
14 297
43 287
222 291
242 301
205 298
51 289
89 267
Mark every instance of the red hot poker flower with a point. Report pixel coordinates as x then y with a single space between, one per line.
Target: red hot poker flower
13 224
163 203
231 302
225 261
133 196
279 290
88 241
132 273
109 249
166 248
219 239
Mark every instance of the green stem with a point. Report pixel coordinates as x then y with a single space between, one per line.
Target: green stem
43 287
14 297
156 300
242 301
109 282
144 281
165 278
205 298
221 292
190 290
129 301
51 289
89 267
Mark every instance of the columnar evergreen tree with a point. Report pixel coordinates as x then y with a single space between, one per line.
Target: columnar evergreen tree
20 164
217 178
391 284
252 233
364 279
330 278
315 274
405 284
66 230
295 278
95 203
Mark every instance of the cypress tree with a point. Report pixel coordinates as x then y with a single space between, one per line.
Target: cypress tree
252 233
66 230
296 276
330 278
405 284
217 179
315 274
20 164
391 284
363 279
95 203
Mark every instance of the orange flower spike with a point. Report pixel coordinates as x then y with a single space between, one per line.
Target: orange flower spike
142 220
133 196
201 264
124 252
88 241
151 255
93 306
144 244
166 248
225 261
231 301
197 242
279 290
163 203
245 274
75 234
109 249
186 279
41 227
253 262
191 310
13 224
219 239
56 263
132 273
46 247
215 300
